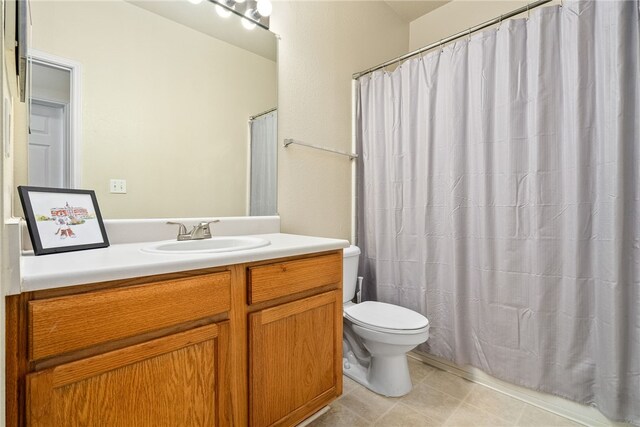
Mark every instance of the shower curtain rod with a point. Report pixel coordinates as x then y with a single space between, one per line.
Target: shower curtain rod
271 110
289 141
446 40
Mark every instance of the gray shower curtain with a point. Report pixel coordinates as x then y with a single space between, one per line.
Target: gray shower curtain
263 197
499 195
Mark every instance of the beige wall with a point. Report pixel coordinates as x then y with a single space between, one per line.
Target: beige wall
164 107
455 17
322 44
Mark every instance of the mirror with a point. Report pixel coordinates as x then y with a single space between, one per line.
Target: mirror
164 108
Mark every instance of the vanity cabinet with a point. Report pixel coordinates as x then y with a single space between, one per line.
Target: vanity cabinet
255 344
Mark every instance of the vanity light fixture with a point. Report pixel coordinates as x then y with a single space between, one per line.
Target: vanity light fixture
265 7
253 12
224 8
195 1
222 12
249 21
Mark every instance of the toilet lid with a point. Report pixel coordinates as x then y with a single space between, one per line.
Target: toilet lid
385 316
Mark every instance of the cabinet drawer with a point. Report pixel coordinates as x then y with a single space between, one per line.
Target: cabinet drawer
69 323
271 281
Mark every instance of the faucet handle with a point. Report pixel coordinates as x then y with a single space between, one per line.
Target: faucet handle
182 229
204 226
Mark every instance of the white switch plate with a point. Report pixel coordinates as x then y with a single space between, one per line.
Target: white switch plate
118 186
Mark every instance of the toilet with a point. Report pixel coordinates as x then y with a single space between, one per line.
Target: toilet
377 336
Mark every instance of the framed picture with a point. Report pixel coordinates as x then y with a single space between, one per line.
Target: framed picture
62 220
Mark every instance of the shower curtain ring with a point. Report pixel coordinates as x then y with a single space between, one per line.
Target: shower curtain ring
441 48
528 12
468 35
500 22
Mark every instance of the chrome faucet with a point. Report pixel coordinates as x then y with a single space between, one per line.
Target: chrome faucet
198 232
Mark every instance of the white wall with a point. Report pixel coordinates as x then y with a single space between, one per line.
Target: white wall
323 43
164 107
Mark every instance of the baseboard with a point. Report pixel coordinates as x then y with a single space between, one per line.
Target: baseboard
577 412
314 417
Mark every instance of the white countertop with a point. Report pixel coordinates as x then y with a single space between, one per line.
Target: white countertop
123 261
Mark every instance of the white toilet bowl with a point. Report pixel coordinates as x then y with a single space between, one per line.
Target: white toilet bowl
377 337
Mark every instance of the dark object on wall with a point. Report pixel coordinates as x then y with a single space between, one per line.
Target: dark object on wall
22 32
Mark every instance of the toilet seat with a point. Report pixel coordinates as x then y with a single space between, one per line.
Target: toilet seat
388 318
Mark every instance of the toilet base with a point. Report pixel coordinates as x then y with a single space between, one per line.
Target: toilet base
385 375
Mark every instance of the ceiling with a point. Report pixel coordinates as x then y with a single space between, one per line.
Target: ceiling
411 10
203 18
200 17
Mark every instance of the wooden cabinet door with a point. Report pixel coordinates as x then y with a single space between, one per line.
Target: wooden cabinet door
295 356
178 380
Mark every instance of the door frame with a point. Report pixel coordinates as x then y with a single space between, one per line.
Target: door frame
73 110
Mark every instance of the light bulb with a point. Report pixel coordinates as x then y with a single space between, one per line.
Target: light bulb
240 1
195 1
247 22
223 12
265 7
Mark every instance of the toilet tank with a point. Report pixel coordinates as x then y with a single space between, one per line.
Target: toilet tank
350 272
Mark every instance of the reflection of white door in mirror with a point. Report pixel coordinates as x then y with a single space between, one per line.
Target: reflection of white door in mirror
54 121
47 152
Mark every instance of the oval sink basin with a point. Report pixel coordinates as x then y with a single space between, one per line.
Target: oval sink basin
205 246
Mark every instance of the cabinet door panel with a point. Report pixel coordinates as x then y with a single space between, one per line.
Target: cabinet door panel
295 358
169 381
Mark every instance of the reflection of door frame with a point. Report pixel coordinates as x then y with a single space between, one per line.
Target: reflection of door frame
66 153
73 110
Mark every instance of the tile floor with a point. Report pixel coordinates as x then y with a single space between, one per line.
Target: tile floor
437 399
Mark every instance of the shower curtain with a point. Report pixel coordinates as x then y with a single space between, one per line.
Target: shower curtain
264 165
499 195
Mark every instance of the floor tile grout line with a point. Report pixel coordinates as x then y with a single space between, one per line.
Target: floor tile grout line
478 408
355 413
466 401
425 377
422 414
456 399
386 412
449 394
520 415
460 401
444 423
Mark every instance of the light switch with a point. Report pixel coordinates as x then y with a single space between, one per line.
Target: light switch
118 186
